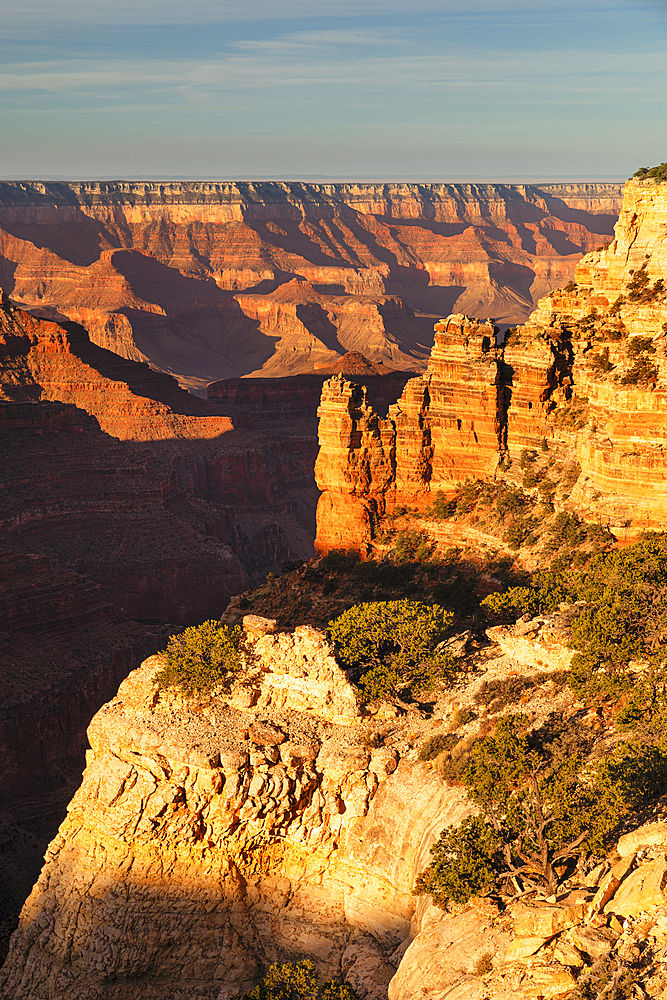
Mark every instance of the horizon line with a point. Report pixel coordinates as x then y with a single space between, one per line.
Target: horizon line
322 179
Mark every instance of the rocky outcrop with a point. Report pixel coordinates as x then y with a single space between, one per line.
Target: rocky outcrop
215 835
585 379
218 280
447 425
210 838
541 643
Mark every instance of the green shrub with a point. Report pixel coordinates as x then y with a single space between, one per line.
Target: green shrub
657 174
465 863
412 546
442 508
434 745
640 345
511 501
641 373
532 477
600 362
298 981
615 308
518 601
520 532
393 645
647 700
539 810
201 658
567 530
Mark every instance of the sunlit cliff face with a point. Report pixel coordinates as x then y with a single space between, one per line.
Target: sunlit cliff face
583 384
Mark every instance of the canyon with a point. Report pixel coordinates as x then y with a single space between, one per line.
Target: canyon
579 392
219 280
280 820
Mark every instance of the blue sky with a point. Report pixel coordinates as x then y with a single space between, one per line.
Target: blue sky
382 90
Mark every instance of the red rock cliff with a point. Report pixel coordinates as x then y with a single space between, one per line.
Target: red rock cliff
588 373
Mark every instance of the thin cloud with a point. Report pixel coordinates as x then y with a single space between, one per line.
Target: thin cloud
126 12
260 70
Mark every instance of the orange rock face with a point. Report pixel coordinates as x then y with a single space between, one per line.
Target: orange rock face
587 375
448 424
211 281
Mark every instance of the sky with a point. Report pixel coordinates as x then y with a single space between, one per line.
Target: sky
430 90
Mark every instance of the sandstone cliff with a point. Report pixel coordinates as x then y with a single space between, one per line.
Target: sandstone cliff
213 836
584 379
218 280
209 839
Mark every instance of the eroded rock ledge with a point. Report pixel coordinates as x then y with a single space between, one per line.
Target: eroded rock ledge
211 838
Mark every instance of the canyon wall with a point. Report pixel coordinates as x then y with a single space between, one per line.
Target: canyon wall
216 280
585 377
211 838
126 503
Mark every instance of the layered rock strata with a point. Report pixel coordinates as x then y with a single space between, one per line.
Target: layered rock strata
209 839
214 836
218 280
446 425
106 454
586 377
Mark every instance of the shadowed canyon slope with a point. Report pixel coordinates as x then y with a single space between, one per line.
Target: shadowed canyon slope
583 384
125 503
219 280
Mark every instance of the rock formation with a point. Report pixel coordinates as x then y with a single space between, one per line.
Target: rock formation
210 838
585 377
213 836
218 280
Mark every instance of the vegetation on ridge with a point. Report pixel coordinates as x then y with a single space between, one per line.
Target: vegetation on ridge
201 658
393 646
542 806
658 173
622 617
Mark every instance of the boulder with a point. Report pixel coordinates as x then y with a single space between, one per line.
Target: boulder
545 920
650 835
640 891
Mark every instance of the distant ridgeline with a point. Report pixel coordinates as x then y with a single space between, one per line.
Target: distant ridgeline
214 280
